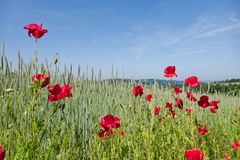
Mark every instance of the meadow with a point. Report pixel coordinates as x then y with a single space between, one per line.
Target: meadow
71 133
34 125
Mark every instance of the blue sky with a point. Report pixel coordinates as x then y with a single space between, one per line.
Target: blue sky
140 37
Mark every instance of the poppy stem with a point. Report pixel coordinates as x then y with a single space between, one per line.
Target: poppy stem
171 82
35 59
36 46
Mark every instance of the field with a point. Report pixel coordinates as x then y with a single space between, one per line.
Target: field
31 127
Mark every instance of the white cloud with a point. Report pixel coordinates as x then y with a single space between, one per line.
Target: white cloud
206 26
217 31
199 38
189 53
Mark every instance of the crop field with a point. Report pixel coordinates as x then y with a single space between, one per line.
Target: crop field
33 127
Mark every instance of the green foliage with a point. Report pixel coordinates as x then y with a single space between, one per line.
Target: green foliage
220 87
232 80
38 134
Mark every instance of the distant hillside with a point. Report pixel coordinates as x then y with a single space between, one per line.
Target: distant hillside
160 82
229 86
234 80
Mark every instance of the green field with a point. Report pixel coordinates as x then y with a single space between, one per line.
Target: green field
29 128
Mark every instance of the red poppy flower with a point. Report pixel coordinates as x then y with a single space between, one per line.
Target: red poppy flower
192 81
179 103
189 111
58 93
214 104
109 121
225 157
2 153
66 90
102 133
168 105
42 79
170 72
235 145
35 30
122 133
137 91
149 97
191 97
194 154
203 102
31 28
177 90
171 112
156 110
202 130
213 109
